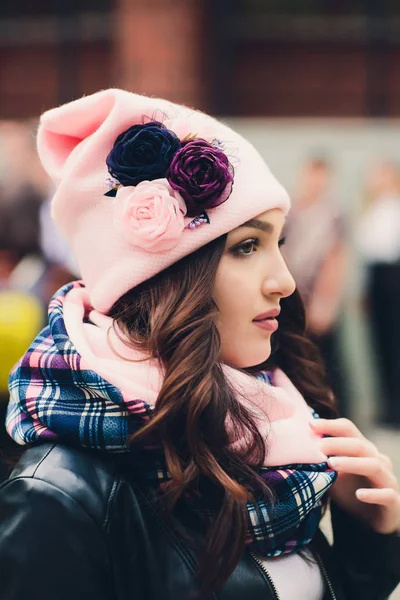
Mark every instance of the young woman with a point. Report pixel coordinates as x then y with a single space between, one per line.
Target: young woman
174 449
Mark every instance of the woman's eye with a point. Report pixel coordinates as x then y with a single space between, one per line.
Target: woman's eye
247 248
282 242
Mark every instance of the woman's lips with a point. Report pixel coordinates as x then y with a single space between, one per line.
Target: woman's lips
269 324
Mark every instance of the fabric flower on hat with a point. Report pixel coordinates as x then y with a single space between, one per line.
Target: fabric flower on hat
202 174
142 153
150 215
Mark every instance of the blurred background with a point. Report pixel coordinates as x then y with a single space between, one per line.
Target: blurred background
315 85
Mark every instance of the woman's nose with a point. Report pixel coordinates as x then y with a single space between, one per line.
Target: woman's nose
279 280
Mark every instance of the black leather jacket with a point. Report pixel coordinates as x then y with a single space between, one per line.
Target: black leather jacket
75 526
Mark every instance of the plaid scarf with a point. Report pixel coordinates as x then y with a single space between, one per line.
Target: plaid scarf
54 396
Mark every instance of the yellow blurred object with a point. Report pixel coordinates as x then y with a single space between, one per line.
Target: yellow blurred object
21 318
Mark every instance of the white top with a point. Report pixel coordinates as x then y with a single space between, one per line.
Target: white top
294 577
378 233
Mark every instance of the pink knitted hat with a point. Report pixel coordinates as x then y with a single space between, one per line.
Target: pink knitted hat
142 182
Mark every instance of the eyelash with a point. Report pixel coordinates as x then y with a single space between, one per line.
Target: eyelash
255 242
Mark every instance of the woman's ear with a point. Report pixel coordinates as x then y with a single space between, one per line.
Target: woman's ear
62 129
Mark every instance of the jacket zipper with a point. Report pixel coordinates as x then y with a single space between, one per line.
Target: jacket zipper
267 575
325 575
321 566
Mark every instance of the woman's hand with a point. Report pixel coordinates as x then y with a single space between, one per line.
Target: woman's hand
366 485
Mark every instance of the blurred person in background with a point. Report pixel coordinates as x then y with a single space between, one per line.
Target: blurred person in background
21 312
378 241
179 439
317 255
35 256
30 271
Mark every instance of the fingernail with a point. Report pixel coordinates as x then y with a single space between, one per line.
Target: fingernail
333 462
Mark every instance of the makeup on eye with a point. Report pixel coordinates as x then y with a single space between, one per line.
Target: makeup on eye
240 249
251 244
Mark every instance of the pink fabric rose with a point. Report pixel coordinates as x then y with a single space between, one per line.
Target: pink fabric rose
150 215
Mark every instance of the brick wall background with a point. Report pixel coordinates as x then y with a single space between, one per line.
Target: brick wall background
210 54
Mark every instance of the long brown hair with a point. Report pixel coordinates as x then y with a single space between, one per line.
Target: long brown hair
172 318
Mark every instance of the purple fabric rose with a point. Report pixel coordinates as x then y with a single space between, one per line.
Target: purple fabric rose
142 153
202 174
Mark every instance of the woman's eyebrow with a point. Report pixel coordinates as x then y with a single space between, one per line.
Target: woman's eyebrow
257 224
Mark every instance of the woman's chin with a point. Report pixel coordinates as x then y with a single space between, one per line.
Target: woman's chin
246 360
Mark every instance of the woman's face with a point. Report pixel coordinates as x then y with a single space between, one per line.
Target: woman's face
251 280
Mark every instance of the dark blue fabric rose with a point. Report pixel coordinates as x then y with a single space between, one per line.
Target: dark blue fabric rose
142 153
